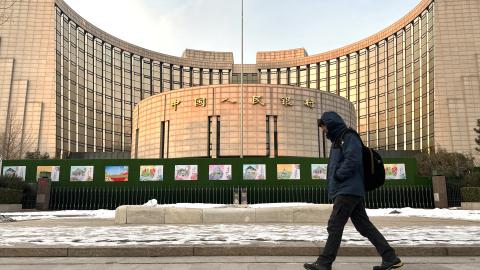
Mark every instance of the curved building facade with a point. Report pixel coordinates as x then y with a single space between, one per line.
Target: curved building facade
278 120
71 87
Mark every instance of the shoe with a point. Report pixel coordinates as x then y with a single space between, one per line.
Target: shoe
317 266
397 263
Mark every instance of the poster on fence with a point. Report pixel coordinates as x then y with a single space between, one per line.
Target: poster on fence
288 171
81 173
51 172
219 172
116 173
254 172
395 171
186 172
151 173
18 171
319 171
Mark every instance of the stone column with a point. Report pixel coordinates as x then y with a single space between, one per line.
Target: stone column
439 191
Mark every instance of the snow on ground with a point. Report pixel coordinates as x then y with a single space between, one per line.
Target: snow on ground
241 234
34 215
226 234
451 213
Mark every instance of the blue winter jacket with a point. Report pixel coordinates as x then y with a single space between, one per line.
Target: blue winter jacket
345 169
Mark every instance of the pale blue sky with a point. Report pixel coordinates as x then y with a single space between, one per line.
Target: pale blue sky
171 26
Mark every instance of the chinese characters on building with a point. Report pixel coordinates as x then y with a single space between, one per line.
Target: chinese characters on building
286 101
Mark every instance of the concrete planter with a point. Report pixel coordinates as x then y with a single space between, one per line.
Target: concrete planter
10 207
470 205
137 214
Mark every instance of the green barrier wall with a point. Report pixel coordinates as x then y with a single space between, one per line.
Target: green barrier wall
169 164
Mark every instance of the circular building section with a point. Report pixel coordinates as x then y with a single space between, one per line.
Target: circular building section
278 120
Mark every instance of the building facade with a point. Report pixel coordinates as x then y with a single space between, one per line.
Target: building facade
278 120
71 87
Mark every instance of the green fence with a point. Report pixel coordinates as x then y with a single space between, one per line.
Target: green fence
414 191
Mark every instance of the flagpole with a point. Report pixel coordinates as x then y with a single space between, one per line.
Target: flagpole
241 92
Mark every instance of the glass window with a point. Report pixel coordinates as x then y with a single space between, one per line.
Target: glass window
293 76
166 69
186 77
206 77
196 76
303 76
323 76
225 76
313 76
146 77
263 76
273 76
283 76
176 77
156 77
333 76
215 76
136 78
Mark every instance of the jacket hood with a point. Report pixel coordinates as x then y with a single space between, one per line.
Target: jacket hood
334 123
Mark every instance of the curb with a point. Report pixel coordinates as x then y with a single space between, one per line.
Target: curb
230 250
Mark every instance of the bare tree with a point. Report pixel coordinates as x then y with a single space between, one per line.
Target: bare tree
13 141
5 6
477 131
444 163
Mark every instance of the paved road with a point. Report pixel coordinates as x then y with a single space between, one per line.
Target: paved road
228 263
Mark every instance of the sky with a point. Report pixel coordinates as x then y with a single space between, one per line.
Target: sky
171 26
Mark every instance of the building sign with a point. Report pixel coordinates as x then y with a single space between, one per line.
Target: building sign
228 100
309 103
175 103
286 101
257 100
200 102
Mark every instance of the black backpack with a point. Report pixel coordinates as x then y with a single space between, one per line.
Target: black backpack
373 169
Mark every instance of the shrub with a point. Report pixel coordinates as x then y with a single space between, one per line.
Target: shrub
12 182
16 183
10 196
470 194
471 180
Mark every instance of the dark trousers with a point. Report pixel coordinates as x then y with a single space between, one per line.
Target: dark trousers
344 207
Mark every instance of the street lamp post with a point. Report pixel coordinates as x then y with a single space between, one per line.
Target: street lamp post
241 91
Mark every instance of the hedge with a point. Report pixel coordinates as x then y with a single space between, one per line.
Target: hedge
10 196
12 182
470 194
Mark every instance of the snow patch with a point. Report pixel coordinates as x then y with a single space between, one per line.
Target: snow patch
451 213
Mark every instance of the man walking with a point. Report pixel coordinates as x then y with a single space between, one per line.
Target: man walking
346 189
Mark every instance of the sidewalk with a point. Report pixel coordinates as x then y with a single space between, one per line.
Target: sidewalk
229 263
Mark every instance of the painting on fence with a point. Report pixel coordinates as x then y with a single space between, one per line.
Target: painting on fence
254 172
219 172
288 171
81 173
186 172
116 173
51 172
151 173
18 171
395 171
319 171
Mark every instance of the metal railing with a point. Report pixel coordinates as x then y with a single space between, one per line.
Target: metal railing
112 197
454 196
